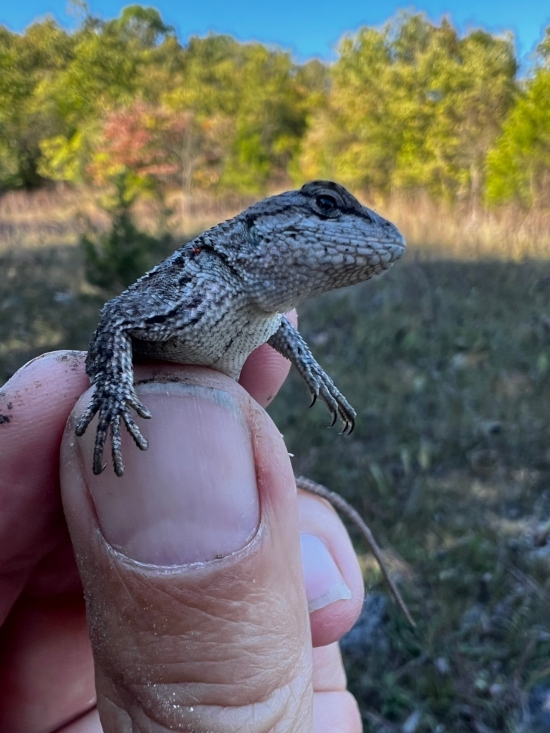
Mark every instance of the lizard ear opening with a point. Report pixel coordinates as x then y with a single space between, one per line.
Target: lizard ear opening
252 232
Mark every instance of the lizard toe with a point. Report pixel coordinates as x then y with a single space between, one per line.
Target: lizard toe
101 436
140 408
116 446
134 431
85 419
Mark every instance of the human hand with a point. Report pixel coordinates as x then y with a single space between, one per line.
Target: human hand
196 598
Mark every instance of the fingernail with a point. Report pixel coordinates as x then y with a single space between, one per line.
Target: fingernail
192 496
323 581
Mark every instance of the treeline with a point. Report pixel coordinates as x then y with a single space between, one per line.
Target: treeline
413 105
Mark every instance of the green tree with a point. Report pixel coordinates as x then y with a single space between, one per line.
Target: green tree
270 121
253 99
473 88
109 69
519 163
28 63
412 105
248 103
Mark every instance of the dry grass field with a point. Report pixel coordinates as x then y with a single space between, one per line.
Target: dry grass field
447 361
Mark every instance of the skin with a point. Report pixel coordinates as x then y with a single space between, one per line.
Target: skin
213 636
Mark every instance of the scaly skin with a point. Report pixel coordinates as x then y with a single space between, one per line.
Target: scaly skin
223 294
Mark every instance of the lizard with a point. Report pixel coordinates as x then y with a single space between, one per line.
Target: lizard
224 293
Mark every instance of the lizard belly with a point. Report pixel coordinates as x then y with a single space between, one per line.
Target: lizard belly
225 345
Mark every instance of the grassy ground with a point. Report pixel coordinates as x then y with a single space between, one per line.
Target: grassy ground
448 365
447 361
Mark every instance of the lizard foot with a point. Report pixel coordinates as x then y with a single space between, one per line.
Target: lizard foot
112 410
321 386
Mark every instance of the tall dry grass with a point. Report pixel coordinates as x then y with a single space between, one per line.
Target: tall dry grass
59 215
462 232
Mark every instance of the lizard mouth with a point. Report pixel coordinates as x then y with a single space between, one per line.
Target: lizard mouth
402 243
397 248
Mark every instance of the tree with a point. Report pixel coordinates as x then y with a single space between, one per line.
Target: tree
412 105
473 89
108 70
147 144
252 100
519 164
28 63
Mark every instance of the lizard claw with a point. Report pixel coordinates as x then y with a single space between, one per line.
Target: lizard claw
116 446
321 385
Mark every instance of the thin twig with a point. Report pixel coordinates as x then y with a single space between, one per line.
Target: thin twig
341 505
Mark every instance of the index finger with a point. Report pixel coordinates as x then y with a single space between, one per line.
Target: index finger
34 406
265 370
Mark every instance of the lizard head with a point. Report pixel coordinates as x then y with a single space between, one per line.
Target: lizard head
305 242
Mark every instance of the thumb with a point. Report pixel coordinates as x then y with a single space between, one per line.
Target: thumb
191 565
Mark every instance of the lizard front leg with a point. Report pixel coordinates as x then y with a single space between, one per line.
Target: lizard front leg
109 364
288 342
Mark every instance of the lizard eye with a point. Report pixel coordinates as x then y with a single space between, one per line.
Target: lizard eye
326 203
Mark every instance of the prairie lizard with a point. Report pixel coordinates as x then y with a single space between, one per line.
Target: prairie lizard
218 297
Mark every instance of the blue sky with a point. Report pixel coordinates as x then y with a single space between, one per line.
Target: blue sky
306 27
